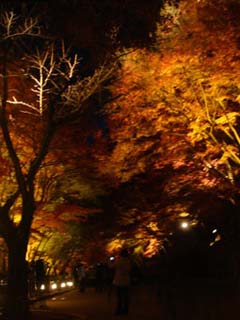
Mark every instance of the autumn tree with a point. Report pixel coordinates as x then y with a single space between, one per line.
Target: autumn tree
41 89
68 195
177 116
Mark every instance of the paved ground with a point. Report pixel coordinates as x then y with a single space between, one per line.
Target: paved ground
93 305
195 301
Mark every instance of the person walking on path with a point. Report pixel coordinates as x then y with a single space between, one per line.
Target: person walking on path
82 278
121 281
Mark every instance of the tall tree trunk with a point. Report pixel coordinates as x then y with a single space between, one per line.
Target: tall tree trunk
17 304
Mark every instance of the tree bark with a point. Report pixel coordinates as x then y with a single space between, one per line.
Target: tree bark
17 304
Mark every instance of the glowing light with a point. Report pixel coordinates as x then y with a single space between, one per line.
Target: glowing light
17 218
217 238
214 231
184 214
69 283
53 286
42 287
63 285
184 225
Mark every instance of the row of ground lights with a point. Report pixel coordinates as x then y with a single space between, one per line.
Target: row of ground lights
54 285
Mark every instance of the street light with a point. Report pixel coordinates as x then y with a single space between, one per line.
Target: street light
184 225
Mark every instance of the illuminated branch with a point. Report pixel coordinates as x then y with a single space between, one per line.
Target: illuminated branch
79 93
10 23
44 66
70 63
22 103
50 73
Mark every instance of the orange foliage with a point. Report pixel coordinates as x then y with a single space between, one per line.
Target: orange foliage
178 108
168 93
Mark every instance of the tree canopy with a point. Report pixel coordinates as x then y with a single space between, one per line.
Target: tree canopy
174 128
165 147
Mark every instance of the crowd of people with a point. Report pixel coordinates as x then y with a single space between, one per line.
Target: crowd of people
114 275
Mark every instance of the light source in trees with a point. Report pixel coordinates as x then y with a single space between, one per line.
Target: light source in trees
184 225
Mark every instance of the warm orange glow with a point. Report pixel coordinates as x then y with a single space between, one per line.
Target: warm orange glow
183 214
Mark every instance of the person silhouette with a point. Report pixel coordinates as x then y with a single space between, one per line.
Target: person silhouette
121 281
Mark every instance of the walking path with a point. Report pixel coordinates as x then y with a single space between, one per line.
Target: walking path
92 305
198 301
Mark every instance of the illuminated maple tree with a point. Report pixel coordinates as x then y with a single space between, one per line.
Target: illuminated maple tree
177 115
41 90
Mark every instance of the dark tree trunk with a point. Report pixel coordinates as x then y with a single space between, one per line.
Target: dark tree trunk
17 304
